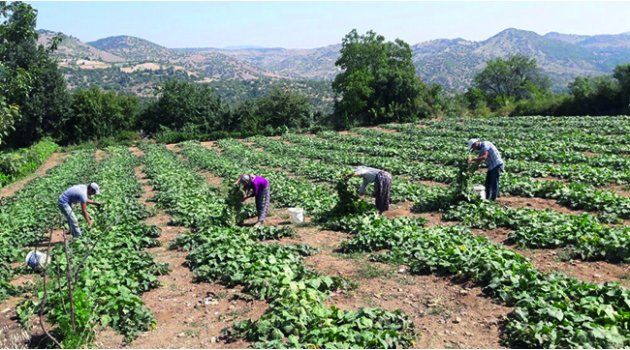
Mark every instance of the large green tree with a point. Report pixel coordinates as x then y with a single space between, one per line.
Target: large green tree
39 100
378 82
504 81
96 114
622 74
281 107
184 104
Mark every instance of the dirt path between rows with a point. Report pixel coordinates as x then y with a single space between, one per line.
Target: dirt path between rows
52 161
189 315
446 314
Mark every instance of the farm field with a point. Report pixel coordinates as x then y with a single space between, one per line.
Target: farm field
167 265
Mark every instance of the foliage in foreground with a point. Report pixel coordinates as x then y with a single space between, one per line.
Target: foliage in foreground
17 164
297 315
551 310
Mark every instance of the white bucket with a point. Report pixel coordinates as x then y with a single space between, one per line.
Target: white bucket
37 260
480 190
296 215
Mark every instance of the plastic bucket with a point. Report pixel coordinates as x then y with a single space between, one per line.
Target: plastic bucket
37 260
296 215
480 190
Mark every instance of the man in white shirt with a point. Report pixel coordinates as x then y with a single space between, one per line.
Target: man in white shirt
77 194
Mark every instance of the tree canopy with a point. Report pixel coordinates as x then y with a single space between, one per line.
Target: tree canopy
505 81
378 82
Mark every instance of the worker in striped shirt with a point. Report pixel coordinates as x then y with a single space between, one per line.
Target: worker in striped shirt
488 153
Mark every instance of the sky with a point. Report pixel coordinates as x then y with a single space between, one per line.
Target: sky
315 24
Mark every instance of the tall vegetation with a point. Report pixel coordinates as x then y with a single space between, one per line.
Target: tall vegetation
34 85
378 82
95 113
503 82
189 110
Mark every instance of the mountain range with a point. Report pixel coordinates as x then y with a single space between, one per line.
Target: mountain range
138 64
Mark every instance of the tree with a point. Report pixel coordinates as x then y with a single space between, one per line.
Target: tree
39 98
504 81
378 82
594 95
183 103
96 114
282 107
622 74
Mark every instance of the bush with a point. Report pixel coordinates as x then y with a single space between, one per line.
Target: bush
98 114
14 165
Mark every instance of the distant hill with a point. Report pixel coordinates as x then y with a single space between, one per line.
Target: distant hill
72 48
132 48
450 62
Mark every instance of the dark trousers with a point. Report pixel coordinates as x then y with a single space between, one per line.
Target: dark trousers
492 182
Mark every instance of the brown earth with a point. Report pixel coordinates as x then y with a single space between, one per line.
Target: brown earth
12 335
189 315
432 183
384 130
622 190
445 313
548 260
211 179
52 161
99 155
536 203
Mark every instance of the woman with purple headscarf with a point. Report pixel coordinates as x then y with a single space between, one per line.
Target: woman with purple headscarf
257 186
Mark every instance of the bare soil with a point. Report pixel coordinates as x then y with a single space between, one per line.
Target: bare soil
99 155
52 161
211 179
433 183
622 190
189 315
548 260
384 130
12 335
536 203
445 313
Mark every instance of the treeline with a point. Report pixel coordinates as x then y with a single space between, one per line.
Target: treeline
377 84
517 86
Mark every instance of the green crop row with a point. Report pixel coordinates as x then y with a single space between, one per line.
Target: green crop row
285 191
587 238
32 211
17 164
447 153
297 315
98 280
572 195
552 310
276 154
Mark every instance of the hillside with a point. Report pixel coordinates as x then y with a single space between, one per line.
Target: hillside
72 48
450 62
133 49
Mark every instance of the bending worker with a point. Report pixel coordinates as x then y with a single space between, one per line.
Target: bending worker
257 186
78 194
382 185
488 153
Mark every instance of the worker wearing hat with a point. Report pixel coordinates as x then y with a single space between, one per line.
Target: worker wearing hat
489 154
78 194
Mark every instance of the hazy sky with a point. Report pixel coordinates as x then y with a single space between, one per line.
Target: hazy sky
313 24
